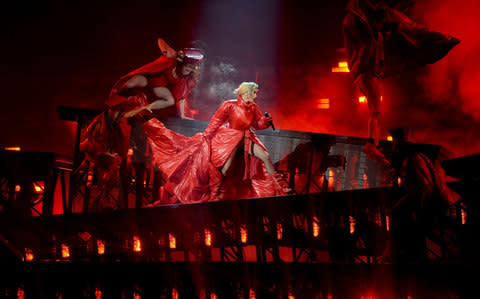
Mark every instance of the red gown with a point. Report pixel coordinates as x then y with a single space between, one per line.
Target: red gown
191 164
107 139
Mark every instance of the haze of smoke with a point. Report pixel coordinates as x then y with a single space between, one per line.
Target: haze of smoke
455 77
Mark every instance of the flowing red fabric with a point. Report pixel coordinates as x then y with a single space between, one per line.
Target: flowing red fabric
191 164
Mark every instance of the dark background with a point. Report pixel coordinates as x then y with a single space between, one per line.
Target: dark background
71 52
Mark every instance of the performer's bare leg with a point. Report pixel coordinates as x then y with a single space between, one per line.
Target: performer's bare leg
264 156
280 184
228 163
370 87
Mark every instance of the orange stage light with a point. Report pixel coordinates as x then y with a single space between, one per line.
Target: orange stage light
172 241
65 251
101 247
208 238
342 67
13 148
28 255
323 103
351 222
316 227
279 231
137 244
243 234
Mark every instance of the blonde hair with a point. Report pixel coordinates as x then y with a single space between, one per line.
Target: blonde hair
246 88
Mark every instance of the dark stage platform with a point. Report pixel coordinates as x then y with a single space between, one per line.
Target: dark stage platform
324 241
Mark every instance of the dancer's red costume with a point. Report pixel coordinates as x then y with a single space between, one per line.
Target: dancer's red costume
190 164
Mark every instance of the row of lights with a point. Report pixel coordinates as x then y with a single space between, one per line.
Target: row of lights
203 294
172 241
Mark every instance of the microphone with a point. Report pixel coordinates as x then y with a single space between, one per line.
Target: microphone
270 122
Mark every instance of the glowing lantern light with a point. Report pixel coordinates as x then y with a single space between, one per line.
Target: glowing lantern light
351 221
363 99
342 67
389 138
98 293
208 238
464 216
323 103
20 293
243 233
399 181
316 227
251 294
137 244
65 251
18 188
13 148
174 293
172 241
100 247
279 231
28 255
38 187
130 152
290 296
331 179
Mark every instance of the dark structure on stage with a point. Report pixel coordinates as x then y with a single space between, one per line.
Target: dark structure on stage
325 241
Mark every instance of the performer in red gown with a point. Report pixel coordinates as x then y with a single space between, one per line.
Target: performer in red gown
226 161
152 87
381 41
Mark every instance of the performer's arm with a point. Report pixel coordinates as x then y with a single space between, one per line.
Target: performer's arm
181 108
261 122
137 110
217 120
165 98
